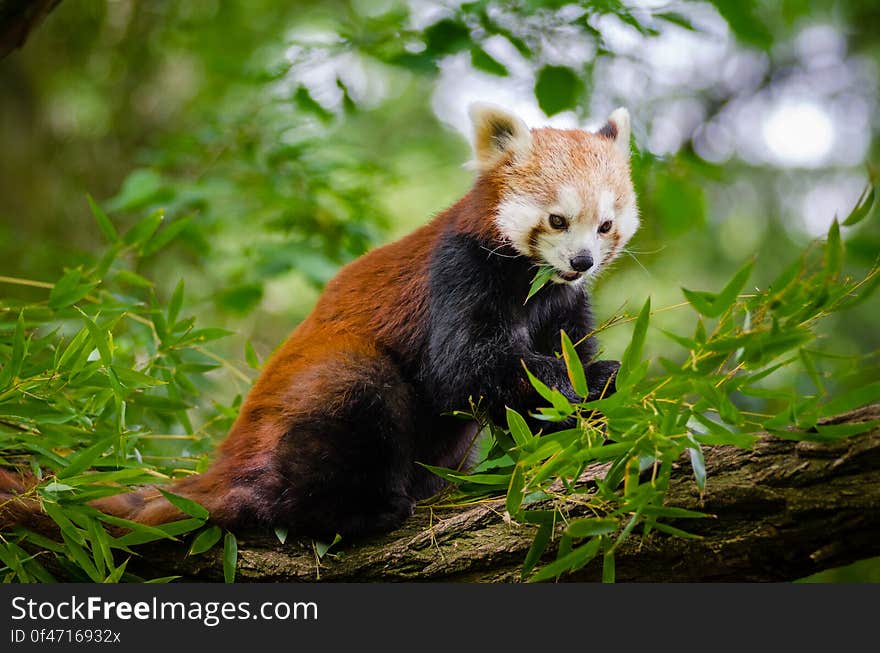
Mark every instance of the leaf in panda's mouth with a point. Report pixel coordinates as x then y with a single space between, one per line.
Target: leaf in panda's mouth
542 276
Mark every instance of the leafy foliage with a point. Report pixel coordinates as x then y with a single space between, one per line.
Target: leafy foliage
94 378
704 396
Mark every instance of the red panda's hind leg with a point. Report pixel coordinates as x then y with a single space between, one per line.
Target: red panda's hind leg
347 465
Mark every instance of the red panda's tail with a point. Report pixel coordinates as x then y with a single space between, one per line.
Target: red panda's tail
146 505
20 504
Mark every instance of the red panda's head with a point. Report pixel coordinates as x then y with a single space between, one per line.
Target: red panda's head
565 196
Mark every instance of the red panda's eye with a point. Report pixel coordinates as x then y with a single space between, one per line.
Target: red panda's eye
557 221
605 227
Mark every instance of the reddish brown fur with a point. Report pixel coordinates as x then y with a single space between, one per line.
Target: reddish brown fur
376 304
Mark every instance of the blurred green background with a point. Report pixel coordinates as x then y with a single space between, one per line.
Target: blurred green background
285 139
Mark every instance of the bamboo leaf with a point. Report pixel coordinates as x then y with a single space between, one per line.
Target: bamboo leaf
104 223
608 570
141 232
515 490
86 458
574 366
205 540
575 559
230 557
590 526
541 278
518 428
633 354
537 548
175 304
863 206
185 505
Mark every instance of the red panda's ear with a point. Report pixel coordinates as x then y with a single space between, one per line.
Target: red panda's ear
496 132
617 129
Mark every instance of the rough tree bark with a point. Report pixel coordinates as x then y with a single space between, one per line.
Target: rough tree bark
782 510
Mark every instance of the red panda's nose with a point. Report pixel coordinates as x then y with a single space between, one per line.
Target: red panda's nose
582 262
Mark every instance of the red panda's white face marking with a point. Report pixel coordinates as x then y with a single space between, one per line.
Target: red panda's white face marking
565 196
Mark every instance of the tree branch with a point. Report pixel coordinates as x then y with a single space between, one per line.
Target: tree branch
783 510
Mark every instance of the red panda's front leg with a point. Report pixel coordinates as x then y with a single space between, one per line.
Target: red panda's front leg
480 334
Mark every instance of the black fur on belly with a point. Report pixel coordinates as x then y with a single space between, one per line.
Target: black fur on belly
481 330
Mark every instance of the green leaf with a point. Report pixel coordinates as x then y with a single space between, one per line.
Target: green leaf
445 37
557 89
117 573
698 464
832 432
144 532
590 526
55 487
207 335
710 432
321 548
499 480
12 559
855 398
99 338
162 580
703 302
11 370
833 251
84 459
100 543
608 567
677 532
539 385
519 429
307 104
677 19
165 236
140 188
515 490
730 292
56 512
185 505
633 354
205 540
133 279
78 554
164 531
230 557
574 366
575 559
281 534
810 367
863 206
672 512
541 278
482 60
104 223
712 305
745 22
175 304
160 404
141 232
68 289
251 356
73 348
537 548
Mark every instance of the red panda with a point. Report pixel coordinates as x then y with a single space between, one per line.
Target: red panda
329 436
